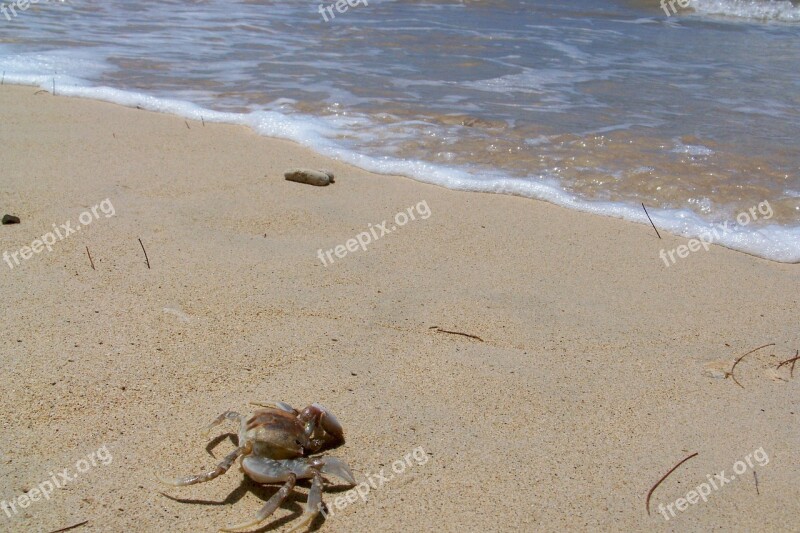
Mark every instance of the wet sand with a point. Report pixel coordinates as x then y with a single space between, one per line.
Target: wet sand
591 378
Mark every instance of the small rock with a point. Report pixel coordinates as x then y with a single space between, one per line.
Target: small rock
11 219
319 178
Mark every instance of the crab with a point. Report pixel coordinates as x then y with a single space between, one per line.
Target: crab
275 446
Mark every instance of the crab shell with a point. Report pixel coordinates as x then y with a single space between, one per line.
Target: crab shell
283 433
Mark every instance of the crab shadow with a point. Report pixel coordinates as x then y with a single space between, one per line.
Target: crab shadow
294 502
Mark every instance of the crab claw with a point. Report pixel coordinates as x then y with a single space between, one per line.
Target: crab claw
338 468
321 428
330 423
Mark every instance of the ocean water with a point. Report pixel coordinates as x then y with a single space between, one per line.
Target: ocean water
596 105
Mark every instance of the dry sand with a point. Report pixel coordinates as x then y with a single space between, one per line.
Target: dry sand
589 385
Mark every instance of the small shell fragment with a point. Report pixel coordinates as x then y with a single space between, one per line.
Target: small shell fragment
717 369
319 178
183 317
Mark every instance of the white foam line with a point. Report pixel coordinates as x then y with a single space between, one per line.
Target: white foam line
778 10
774 242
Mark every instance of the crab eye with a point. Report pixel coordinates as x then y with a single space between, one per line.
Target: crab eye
298 443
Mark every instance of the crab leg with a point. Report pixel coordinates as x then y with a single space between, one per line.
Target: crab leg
221 468
313 504
227 415
272 504
283 406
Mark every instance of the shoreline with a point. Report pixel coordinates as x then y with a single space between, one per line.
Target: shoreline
590 374
774 242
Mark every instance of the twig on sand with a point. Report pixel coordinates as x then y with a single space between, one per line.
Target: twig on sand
440 330
145 253
3 81
73 526
755 476
90 258
203 121
187 125
793 360
742 357
39 92
671 470
651 220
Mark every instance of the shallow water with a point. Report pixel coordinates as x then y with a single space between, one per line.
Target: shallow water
596 105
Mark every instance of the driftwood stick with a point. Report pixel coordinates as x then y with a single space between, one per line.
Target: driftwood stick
671 470
145 253
651 220
90 258
440 330
73 526
793 360
742 357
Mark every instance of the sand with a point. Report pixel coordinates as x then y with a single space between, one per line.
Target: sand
591 379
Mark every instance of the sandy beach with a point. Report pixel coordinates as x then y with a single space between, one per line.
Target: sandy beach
591 376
